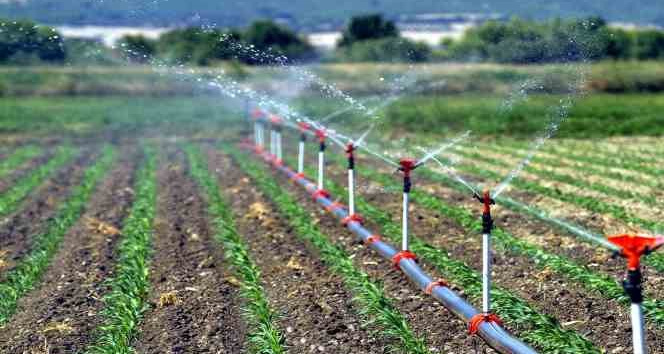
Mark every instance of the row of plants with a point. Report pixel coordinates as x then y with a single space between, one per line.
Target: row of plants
125 301
621 160
635 150
587 169
588 203
508 243
655 260
540 330
30 268
18 158
11 198
551 174
369 295
264 335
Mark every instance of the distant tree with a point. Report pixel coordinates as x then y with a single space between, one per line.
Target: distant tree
270 37
620 44
138 48
650 45
27 39
200 47
385 50
367 27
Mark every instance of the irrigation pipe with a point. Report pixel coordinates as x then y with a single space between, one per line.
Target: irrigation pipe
494 334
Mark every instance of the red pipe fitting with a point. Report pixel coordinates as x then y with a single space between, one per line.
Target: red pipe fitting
440 282
355 217
407 165
320 133
477 320
401 256
320 193
257 113
296 177
304 127
371 239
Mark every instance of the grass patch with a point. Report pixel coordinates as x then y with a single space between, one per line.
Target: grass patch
125 302
264 336
29 270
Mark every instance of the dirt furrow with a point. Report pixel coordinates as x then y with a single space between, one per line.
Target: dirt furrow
60 315
317 312
194 304
18 228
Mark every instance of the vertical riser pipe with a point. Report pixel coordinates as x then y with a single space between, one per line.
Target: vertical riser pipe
404 223
351 192
638 333
300 157
321 169
486 273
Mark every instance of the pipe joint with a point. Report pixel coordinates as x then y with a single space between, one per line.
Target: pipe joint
477 320
352 218
401 256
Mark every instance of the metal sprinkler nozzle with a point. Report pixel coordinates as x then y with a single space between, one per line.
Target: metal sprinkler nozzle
350 153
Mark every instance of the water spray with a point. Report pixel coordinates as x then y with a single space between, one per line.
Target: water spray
633 247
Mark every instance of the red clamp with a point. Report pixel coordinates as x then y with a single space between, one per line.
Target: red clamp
304 127
334 206
371 239
320 193
401 256
257 113
275 120
296 177
440 282
278 162
477 320
355 217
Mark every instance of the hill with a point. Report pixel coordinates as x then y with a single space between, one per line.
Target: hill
308 14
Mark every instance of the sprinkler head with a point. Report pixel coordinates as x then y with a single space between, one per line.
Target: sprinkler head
632 247
257 113
485 199
275 119
304 127
406 165
320 133
350 148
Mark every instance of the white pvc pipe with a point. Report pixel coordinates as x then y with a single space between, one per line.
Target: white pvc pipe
486 273
404 224
351 192
321 166
300 158
279 154
638 334
256 134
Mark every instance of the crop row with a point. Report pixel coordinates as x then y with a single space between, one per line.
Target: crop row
264 336
11 198
540 330
29 270
368 294
128 288
18 158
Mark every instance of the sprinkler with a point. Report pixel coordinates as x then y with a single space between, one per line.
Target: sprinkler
633 247
407 165
487 225
320 133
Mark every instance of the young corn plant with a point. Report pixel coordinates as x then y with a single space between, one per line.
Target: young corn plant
18 158
537 329
124 304
372 302
265 336
507 243
11 198
29 270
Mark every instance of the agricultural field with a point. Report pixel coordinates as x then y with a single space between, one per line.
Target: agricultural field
147 221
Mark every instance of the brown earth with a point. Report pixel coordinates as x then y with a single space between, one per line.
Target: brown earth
317 313
194 301
59 316
32 216
10 179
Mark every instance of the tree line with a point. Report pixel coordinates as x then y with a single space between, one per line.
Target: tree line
365 39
